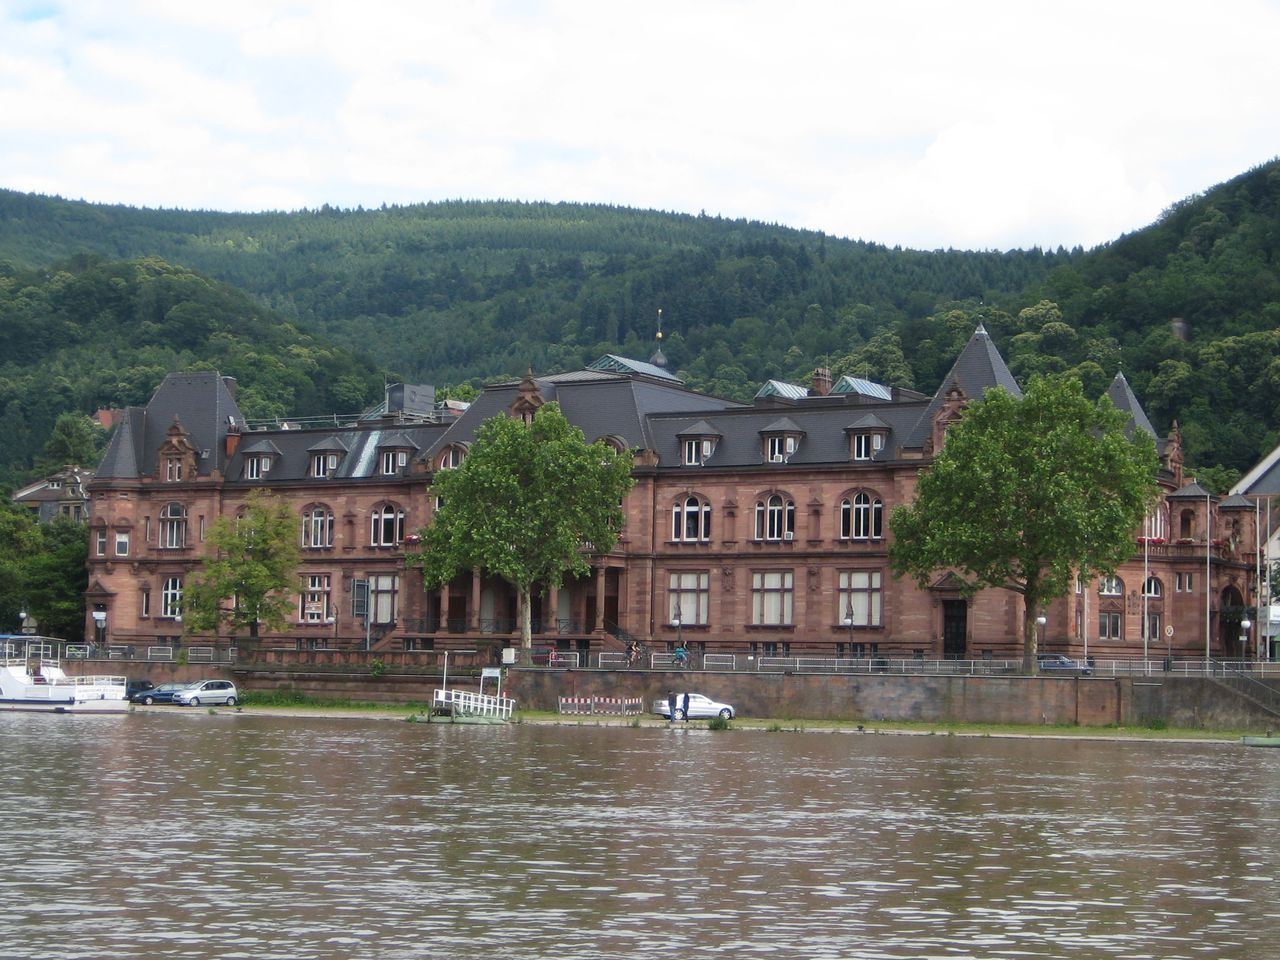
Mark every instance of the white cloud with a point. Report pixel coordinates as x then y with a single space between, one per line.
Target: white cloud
990 124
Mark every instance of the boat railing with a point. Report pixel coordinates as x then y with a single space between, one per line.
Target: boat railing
468 703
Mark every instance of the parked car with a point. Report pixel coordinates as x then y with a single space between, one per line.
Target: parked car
134 687
1058 663
700 708
205 692
161 693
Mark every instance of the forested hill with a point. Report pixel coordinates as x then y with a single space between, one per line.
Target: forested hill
94 334
449 292
464 291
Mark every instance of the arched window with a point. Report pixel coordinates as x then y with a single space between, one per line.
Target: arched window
1110 587
317 527
452 457
173 526
691 520
775 518
1156 526
1187 524
1153 587
862 518
386 526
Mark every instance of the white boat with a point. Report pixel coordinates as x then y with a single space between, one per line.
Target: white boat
32 678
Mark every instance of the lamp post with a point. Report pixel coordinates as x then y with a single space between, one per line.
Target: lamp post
1245 624
99 628
848 622
1040 622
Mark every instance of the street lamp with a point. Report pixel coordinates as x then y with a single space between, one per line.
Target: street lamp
1040 622
99 628
848 622
1245 624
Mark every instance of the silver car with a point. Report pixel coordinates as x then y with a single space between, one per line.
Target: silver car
699 707
207 691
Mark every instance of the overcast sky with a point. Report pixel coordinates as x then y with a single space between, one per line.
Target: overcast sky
941 124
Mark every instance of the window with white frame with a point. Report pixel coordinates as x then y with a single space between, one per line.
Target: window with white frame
772 597
393 461
1109 625
1153 625
775 518
452 457
314 605
862 518
384 591
144 603
171 598
324 464
779 448
172 470
387 526
173 526
1183 583
867 445
697 451
860 598
100 543
691 520
1110 587
1156 525
122 543
256 466
317 528
1153 587
689 597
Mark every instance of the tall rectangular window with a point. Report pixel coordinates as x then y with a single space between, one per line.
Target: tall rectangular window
100 543
860 598
171 598
690 597
315 607
122 543
1109 626
384 598
771 597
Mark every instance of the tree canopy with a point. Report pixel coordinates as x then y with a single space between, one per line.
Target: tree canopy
43 571
253 562
1026 494
530 503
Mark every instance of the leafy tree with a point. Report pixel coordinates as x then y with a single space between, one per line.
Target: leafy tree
530 503
76 439
20 540
253 562
56 577
1061 492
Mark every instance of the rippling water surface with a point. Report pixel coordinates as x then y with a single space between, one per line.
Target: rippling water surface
180 833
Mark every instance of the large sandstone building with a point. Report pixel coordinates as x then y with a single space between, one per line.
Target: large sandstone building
755 528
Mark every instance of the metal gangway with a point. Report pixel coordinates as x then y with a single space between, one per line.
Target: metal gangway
465 703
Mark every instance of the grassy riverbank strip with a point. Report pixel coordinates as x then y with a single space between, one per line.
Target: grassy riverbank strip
300 706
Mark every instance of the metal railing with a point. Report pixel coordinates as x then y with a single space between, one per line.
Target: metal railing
608 706
465 703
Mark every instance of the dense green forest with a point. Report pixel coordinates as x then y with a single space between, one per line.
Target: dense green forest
462 292
90 334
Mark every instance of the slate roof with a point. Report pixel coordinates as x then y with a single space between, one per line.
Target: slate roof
600 403
358 445
1122 397
978 369
1189 490
1264 479
201 401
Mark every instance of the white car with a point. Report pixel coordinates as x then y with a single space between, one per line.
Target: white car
207 691
700 708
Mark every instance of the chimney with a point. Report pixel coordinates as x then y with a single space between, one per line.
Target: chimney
230 384
821 382
233 439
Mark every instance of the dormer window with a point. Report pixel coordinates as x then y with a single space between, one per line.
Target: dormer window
867 445
256 466
324 464
452 457
172 470
780 449
393 461
698 450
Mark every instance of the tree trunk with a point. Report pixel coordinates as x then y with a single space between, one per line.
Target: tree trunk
526 623
1030 611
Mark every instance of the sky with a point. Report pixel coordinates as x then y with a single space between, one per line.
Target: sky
975 125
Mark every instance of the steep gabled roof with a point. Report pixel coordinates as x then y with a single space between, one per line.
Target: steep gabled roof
979 368
1123 398
780 388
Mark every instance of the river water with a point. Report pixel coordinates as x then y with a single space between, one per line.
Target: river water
181 833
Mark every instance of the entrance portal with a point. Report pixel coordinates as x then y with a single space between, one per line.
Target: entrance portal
955 625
